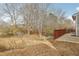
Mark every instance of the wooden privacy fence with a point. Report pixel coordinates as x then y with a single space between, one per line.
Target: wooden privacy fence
59 32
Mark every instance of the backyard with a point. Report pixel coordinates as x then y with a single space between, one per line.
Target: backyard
32 45
37 29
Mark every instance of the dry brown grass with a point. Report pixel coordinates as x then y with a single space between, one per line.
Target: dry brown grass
26 45
33 46
66 48
17 42
35 50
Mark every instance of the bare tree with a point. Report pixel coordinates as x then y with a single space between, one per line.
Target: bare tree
42 17
60 16
68 24
11 11
34 14
26 12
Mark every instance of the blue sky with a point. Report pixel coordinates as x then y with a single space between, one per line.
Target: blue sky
69 8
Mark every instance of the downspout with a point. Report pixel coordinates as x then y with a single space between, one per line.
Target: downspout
76 25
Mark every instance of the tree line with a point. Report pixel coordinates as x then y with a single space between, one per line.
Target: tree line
32 18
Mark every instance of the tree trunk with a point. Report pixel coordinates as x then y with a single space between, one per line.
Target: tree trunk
28 32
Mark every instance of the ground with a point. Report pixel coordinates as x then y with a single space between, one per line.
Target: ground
67 44
32 45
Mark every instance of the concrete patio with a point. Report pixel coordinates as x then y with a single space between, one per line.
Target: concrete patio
69 37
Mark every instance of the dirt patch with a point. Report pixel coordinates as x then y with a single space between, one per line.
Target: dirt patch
66 48
35 50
